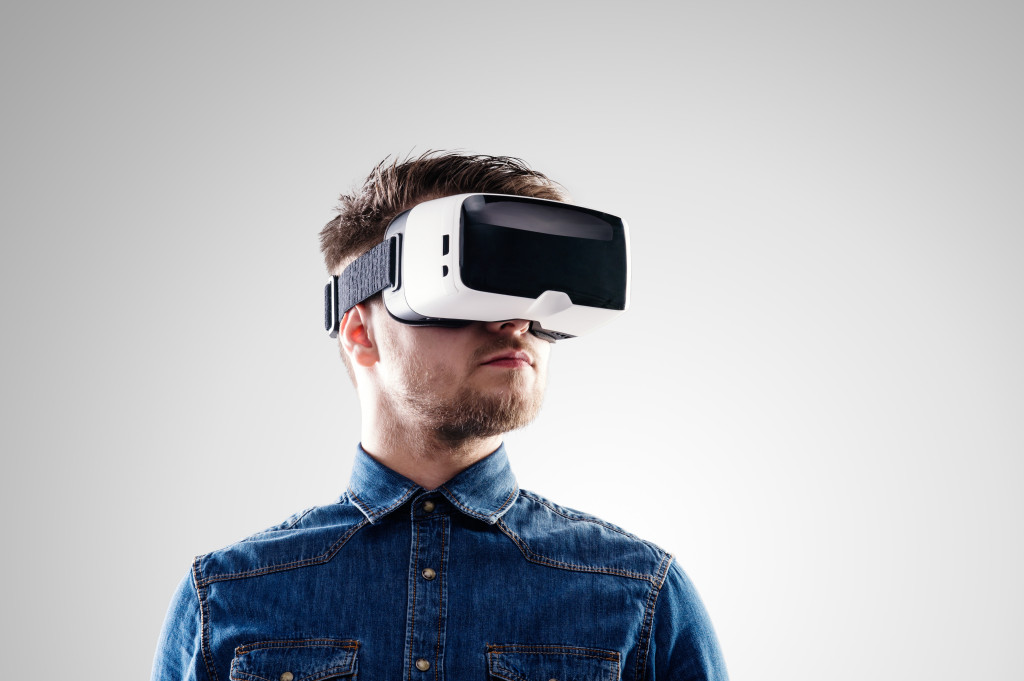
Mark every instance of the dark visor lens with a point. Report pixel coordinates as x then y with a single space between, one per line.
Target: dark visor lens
523 247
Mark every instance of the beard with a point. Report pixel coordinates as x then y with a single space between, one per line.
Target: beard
469 413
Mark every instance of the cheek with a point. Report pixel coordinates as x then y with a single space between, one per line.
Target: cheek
445 347
430 360
398 358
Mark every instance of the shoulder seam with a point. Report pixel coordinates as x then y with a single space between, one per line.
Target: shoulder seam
299 518
584 518
541 559
289 523
315 560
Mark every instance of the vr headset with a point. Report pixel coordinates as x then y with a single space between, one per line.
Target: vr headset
492 257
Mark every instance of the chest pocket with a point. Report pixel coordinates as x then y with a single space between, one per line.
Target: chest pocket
551 663
313 659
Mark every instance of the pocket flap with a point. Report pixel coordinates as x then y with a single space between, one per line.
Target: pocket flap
551 663
310 659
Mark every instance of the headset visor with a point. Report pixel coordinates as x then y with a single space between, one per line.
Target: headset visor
523 247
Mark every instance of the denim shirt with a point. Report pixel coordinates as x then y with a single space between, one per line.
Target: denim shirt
474 580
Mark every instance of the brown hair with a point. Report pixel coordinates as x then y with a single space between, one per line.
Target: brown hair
391 188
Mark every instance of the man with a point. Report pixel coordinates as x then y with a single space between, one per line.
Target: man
434 564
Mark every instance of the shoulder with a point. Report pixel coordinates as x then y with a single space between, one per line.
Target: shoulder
310 537
684 642
560 537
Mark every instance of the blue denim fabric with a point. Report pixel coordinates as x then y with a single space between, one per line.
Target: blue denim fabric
474 580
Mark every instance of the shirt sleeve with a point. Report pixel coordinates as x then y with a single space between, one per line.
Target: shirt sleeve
179 654
683 642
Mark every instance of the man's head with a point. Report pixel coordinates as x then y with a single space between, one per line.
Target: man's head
480 380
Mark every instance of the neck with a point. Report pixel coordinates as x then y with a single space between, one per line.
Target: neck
419 453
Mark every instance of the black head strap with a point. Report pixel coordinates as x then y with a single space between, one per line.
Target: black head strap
370 273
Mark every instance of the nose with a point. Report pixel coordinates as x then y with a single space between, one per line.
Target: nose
510 327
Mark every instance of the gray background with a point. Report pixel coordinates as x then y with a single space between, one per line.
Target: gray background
815 401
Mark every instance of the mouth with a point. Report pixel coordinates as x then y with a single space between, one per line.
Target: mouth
509 359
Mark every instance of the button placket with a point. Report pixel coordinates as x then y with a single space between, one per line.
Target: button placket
427 612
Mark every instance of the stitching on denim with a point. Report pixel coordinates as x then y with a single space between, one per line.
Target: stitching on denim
614 673
315 560
204 620
412 609
360 504
643 647
541 559
465 508
319 674
288 644
291 643
301 516
663 569
589 653
579 518
441 573
608 655
508 500
476 514
505 674
376 515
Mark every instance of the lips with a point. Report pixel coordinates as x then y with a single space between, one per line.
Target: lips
510 358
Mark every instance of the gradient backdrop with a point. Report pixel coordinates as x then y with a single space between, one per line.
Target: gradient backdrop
815 401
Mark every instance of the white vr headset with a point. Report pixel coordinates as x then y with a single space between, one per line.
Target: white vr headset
492 257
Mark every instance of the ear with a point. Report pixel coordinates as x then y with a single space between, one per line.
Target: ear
356 334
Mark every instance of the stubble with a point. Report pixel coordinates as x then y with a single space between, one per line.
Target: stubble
468 413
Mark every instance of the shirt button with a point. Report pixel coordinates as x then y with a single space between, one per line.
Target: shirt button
429 506
287 676
422 665
428 574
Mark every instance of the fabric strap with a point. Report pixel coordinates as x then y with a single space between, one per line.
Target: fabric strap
368 274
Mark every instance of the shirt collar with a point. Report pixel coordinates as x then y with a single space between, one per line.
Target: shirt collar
485 490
